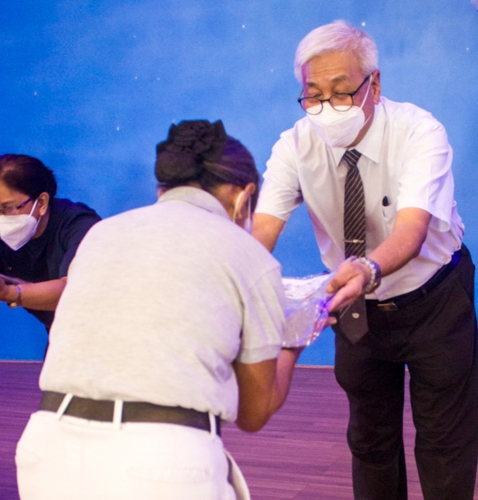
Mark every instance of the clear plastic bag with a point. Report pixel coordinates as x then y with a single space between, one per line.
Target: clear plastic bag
306 309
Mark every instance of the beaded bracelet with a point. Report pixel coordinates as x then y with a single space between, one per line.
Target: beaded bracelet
375 274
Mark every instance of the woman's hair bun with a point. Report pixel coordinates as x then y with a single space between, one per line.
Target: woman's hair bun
180 157
177 167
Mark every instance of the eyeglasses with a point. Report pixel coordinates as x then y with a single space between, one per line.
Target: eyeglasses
341 101
12 210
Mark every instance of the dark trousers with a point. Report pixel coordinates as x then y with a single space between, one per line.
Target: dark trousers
436 338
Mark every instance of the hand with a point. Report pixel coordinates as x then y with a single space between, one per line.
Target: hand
323 324
347 285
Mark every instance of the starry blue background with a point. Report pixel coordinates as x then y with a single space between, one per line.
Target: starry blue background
90 86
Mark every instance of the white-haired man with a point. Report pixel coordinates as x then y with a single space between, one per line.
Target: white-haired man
415 273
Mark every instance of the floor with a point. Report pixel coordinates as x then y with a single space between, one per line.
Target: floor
300 455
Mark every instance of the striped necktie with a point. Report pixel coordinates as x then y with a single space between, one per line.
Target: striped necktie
354 208
353 319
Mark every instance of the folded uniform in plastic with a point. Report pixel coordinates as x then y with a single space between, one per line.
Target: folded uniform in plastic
306 308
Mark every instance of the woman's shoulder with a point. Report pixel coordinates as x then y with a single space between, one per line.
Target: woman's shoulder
64 207
69 219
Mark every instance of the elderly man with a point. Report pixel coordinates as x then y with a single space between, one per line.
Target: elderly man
376 178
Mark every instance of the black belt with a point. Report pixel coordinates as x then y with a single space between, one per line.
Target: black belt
102 411
401 301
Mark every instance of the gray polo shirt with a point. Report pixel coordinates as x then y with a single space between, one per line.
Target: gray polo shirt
160 301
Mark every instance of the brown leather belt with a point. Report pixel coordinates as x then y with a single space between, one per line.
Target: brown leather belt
102 411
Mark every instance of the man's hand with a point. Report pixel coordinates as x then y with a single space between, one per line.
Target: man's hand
348 284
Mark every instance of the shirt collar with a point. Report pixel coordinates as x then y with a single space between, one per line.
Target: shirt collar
194 196
371 145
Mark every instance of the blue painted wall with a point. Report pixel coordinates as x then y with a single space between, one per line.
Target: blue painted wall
91 86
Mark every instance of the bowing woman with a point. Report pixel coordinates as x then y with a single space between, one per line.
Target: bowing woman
171 325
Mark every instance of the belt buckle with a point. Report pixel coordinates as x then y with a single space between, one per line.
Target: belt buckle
388 306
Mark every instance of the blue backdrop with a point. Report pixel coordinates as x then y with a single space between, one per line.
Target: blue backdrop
90 86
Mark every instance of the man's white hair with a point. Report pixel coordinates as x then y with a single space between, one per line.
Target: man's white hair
339 36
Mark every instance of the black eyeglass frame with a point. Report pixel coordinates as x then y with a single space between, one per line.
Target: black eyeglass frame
321 101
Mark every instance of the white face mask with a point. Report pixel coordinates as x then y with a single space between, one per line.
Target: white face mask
248 222
339 128
17 230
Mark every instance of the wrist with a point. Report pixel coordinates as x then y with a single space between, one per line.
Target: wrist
15 296
375 274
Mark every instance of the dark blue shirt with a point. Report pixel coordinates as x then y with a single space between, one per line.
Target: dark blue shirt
48 257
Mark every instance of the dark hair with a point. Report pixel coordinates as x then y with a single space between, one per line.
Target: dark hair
200 151
27 175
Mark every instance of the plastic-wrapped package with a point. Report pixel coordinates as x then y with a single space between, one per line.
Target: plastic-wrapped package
306 308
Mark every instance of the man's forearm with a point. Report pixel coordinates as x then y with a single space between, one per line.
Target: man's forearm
266 229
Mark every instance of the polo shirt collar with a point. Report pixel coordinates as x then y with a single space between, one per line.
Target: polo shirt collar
195 196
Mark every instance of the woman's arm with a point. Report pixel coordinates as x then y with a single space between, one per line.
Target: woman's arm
43 296
263 388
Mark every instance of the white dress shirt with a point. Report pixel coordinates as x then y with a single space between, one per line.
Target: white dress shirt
406 162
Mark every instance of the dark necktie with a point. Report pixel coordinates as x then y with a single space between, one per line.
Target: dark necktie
353 319
354 208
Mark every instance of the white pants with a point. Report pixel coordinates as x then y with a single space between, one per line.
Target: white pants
69 458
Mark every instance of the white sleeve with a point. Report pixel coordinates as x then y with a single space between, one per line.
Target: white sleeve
427 179
280 193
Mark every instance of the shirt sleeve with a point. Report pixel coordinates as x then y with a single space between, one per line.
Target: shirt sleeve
71 234
427 179
264 319
280 193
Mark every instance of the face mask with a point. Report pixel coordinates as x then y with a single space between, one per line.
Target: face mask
339 128
248 222
17 230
